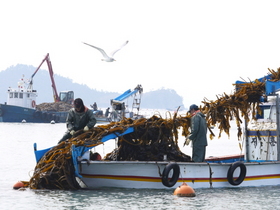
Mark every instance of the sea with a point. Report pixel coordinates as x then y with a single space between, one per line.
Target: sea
18 162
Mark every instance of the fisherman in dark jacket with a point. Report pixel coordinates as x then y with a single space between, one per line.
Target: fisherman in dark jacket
79 117
198 134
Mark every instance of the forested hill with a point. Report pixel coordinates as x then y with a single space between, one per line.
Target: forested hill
158 99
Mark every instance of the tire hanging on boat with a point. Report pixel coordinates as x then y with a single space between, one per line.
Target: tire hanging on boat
241 176
176 171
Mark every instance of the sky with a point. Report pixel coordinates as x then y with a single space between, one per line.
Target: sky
198 48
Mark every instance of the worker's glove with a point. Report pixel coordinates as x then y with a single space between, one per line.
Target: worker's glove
86 128
187 142
72 132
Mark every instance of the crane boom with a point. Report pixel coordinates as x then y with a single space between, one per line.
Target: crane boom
128 93
47 59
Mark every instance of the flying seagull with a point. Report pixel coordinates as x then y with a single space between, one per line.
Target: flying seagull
106 57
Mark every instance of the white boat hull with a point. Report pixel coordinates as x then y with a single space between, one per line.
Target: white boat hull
131 174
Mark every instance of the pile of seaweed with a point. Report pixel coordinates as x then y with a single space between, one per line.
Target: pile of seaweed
54 107
153 137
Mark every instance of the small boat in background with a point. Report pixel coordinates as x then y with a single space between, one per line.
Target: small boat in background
120 110
21 102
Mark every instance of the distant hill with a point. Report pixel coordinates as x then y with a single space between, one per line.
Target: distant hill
158 99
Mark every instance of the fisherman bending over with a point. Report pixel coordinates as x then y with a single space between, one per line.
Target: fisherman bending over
79 117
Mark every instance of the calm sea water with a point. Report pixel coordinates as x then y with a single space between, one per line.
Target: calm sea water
18 161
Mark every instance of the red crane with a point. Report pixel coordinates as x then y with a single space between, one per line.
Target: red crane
66 96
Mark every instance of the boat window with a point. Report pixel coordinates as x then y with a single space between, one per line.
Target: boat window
264 113
28 95
272 114
20 95
11 95
16 95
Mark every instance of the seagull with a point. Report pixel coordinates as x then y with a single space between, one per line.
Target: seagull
106 57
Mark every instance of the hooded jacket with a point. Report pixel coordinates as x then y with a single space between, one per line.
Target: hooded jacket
198 130
78 120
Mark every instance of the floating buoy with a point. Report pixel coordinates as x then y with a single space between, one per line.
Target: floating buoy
23 121
52 122
18 185
184 191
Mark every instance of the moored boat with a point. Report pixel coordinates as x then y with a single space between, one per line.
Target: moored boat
21 103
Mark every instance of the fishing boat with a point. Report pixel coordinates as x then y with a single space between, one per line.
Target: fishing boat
21 103
21 107
258 165
120 109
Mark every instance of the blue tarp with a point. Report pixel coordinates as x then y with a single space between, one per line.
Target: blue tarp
125 95
79 151
270 87
262 79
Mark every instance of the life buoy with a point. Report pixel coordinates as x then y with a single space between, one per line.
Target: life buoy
241 176
176 171
33 103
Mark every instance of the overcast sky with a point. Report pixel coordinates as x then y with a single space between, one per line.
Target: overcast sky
198 48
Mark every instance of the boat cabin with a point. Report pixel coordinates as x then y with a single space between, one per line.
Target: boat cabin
262 134
23 95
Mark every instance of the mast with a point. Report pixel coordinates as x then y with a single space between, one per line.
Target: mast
277 127
247 142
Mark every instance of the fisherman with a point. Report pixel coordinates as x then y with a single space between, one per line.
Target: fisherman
107 112
198 134
79 117
94 106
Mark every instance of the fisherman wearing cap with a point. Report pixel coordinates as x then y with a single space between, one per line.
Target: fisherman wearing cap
79 117
198 134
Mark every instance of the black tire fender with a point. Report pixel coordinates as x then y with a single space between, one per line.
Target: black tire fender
241 176
176 172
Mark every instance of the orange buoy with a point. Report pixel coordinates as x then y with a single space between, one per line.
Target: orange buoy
184 191
18 185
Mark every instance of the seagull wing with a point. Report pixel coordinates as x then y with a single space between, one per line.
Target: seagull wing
112 54
101 50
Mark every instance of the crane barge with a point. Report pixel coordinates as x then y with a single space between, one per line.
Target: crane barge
21 102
